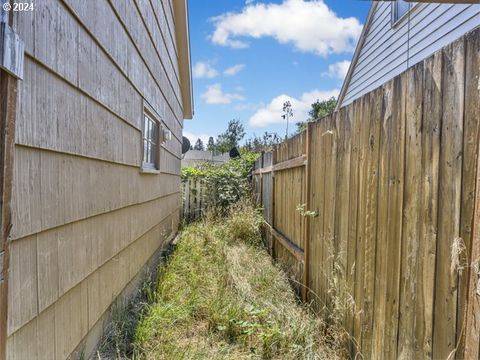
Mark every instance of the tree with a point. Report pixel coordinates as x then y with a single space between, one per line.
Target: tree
319 110
302 125
231 137
287 114
211 144
263 143
199 145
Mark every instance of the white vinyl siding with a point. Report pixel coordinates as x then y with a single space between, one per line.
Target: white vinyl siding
389 50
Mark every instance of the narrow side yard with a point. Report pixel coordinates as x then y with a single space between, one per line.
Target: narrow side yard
220 297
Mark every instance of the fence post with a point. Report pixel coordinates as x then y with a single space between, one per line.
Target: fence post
261 177
274 161
306 263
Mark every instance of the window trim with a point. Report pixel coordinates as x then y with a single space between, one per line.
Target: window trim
394 22
147 168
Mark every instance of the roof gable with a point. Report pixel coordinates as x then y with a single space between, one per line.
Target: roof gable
356 54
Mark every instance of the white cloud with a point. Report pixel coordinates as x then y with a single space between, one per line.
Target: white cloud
248 107
233 70
272 112
215 95
309 25
204 70
194 137
338 70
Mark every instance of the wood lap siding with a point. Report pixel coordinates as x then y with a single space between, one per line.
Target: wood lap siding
85 220
394 179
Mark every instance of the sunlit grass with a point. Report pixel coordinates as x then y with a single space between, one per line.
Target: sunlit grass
220 297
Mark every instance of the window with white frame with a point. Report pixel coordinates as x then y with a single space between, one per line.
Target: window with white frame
399 9
151 143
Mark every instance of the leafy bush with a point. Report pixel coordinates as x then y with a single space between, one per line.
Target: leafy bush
224 184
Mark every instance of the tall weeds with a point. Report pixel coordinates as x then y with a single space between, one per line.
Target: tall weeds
220 297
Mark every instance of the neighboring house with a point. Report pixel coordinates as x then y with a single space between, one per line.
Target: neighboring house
95 139
197 157
397 35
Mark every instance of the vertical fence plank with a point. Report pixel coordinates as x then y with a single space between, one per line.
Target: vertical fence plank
470 135
411 212
432 114
272 205
354 111
310 248
186 201
308 207
322 243
472 338
343 125
330 137
394 232
471 142
372 154
260 177
361 216
382 263
316 224
446 285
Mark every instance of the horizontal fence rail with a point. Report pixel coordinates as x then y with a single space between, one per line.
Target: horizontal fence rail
376 203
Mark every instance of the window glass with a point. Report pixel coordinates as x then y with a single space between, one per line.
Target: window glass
400 8
150 142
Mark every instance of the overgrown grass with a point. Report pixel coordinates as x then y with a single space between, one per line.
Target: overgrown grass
117 342
118 337
220 297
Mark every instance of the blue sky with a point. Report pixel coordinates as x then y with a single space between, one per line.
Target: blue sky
250 56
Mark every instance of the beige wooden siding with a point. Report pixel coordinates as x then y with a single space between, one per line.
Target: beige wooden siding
85 219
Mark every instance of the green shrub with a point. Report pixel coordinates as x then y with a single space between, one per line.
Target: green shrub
226 183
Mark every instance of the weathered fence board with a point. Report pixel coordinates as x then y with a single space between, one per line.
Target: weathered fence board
353 111
195 198
382 265
472 116
390 190
471 133
446 281
411 221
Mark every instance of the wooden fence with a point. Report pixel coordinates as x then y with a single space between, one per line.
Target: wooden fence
388 188
194 199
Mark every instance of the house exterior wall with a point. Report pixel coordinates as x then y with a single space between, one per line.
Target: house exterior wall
85 218
389 50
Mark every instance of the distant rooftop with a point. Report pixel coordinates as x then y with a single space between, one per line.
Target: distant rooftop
195 157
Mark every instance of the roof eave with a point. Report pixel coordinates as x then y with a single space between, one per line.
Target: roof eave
356 55
180 10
